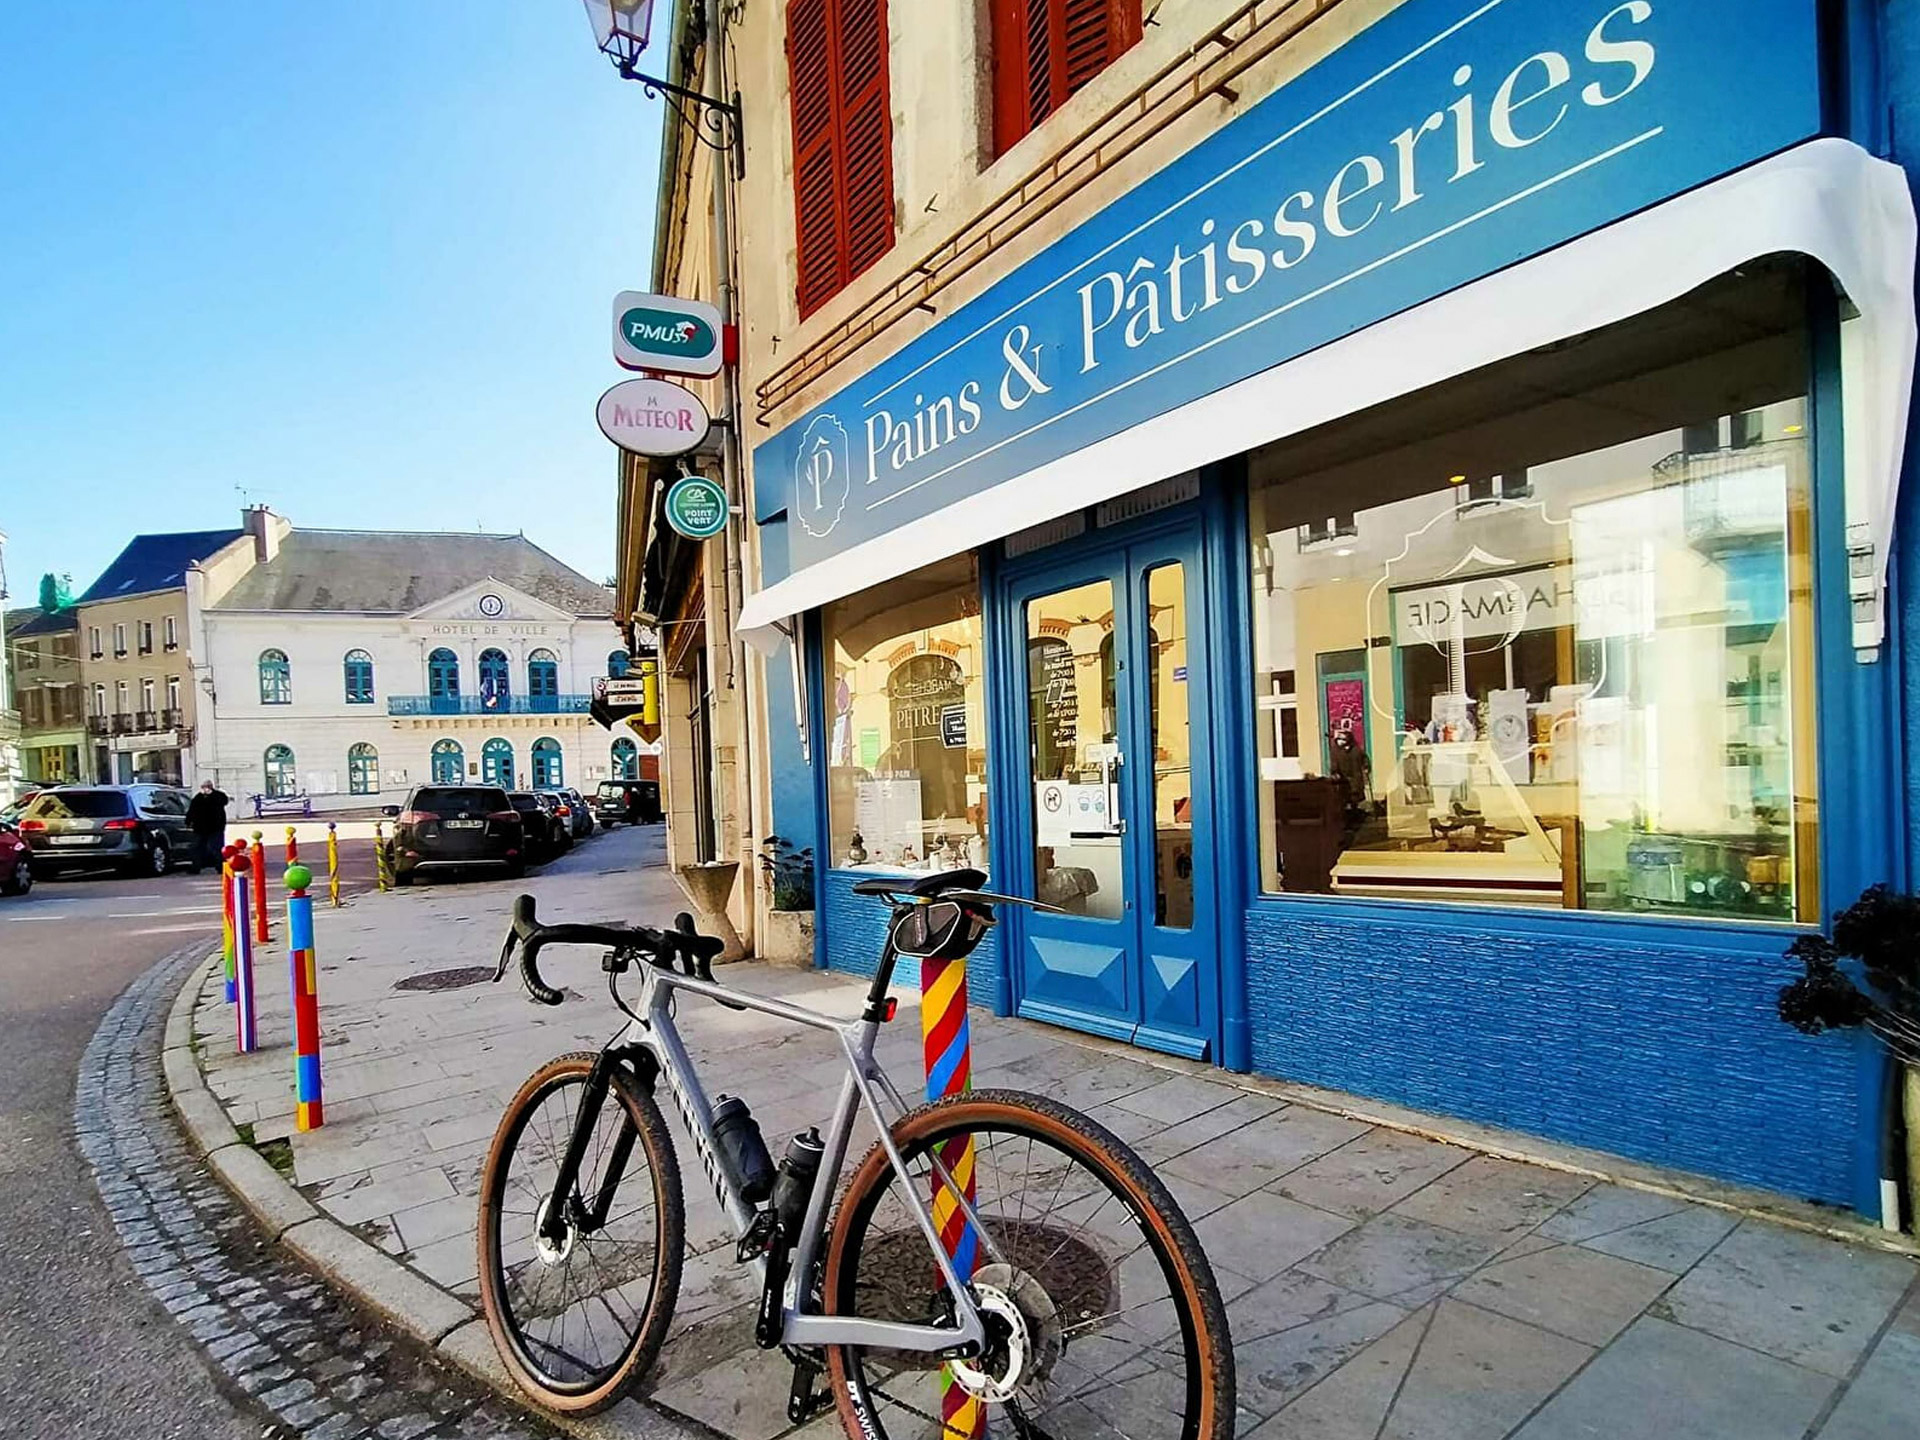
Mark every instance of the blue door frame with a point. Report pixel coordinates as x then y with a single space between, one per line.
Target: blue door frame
1128 977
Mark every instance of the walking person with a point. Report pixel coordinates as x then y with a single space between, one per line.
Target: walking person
207 818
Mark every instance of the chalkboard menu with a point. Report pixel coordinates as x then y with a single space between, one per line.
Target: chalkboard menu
1055 706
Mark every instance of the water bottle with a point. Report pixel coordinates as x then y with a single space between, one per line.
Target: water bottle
793 1186
743 1154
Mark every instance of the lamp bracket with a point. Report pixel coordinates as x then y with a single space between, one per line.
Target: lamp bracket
716 123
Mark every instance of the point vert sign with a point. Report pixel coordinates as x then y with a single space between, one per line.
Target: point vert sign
696 507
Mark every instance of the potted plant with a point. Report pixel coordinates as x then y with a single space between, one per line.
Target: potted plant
787 935
1881 931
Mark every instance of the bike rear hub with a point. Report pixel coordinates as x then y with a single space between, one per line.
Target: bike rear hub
1023 1335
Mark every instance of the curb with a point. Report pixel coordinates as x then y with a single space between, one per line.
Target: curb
436 1318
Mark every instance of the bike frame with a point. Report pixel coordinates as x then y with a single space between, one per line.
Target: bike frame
652 1031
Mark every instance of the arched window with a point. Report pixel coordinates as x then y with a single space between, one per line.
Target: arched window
496 763
276 678
363 770
449 762
543 680
359 672
626 759
496 685
618 663
281 780
443 682
548 771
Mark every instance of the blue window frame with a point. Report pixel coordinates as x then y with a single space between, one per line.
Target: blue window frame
543 681
496 763
281 777
359 677
548 769
443 682
626 760
363 770
449 762
618 663
496 680
276 678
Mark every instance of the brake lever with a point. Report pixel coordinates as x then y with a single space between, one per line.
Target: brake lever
506 956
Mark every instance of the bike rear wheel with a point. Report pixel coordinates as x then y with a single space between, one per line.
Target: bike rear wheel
1104 1318
577 1319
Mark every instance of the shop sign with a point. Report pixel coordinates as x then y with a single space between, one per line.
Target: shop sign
696 507
953 727
653 417
666 333
1448 140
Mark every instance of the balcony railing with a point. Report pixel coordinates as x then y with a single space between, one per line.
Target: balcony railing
97 724
483 705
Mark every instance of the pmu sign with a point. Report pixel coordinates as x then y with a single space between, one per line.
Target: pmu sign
666 334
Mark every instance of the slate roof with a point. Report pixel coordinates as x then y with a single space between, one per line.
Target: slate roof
398 572
32 620
156 562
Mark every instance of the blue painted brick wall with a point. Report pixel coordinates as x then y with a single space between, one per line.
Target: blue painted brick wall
853 927
1658 1042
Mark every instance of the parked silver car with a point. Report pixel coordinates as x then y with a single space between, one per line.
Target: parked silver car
138 829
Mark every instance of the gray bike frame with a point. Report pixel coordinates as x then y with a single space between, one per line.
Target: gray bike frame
865 1083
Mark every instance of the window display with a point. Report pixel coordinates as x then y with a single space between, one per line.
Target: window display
1554 643
906 724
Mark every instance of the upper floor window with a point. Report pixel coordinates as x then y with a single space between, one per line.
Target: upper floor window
496 684
276 678
842 142
359 675
170 632
1044 50
173 692
119 639
146 637
99 699
543 680
443 681
146 693
93 642
119 697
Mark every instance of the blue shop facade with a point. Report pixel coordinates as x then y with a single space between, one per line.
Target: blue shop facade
1417 581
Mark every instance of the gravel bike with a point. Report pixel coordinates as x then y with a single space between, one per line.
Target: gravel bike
996 1259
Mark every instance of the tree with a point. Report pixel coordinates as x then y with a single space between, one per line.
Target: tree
56 592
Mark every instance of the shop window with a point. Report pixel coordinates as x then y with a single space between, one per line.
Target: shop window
358 667
496 763
448 762
363 770
543 680
906 705
549 771
1562 652
626 759
842 142
276 678
1045 50
281 779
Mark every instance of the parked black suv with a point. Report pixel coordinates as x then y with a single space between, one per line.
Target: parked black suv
637 802
539 824
455 826
139 829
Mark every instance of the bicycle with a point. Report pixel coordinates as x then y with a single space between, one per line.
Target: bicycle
961 1278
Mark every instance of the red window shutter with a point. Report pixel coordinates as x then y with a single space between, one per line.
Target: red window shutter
1045 50
842 142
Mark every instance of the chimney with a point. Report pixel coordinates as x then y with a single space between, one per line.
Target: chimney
267 529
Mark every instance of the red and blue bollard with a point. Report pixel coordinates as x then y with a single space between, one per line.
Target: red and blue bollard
305 969
948 1045
246 1020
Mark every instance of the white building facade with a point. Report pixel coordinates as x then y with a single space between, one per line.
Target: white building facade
324 689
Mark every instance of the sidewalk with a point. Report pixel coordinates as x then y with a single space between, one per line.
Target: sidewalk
1380 1283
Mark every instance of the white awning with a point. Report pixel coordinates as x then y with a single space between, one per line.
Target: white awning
1827 199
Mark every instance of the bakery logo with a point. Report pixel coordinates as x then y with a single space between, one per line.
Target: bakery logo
822 477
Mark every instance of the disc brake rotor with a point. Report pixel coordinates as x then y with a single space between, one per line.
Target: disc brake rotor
1024 1335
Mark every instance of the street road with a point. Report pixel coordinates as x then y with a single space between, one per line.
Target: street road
84 1347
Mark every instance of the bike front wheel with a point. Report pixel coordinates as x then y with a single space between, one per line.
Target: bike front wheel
1104 1321
579 1309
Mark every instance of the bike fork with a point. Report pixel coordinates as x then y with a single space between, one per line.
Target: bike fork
561 1205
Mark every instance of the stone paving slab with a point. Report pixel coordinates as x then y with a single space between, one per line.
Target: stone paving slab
1411 1279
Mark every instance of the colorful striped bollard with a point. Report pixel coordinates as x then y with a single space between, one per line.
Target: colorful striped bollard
382 862
260 932
948 1044
293 847
226 922
305 969
246 1029
333 867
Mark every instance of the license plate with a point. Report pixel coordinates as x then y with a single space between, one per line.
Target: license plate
466 824
75 839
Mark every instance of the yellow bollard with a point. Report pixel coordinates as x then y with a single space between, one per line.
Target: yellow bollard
382 867
333 866
293 847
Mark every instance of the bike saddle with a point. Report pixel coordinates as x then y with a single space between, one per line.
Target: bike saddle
926 887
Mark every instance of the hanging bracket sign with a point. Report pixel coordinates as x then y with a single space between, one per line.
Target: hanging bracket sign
653 417
666 334
696 507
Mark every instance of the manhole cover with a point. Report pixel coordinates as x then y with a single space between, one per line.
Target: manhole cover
457 978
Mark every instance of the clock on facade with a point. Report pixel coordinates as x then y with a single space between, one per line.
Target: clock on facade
492 606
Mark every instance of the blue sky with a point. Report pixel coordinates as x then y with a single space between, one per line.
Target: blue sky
354 258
